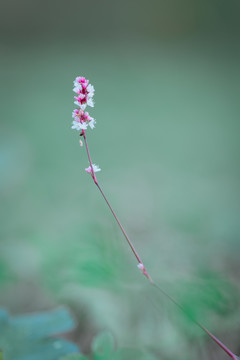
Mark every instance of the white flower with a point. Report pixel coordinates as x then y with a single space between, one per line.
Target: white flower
96 168
92 123
84 97
77 88
78 125
90 102
82 106
90 90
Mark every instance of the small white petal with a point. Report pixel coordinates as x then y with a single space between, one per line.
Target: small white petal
92 123
82 106
83 126
90 90
96 168
77 85
90 102
79 126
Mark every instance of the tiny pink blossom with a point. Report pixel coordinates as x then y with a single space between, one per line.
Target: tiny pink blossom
83 117
80 80
141 266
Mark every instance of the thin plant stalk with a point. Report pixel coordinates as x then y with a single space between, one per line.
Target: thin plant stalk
142 267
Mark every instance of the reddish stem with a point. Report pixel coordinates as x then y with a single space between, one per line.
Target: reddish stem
113 212
144 271
214 338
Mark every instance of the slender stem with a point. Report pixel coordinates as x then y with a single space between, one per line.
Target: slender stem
126 237
113 212
120 225
142 267
213 337
89 157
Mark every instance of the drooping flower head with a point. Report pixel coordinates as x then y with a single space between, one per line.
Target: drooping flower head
84 91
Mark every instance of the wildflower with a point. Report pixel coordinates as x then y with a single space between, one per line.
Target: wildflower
79 126
80 81
95 169
84 91
82 120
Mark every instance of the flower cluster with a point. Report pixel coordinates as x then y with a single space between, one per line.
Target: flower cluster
85 92
82 120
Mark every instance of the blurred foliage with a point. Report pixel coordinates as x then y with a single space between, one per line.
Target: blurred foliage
103 348
74 357
167 138
211 293
96 261
6 275
26 337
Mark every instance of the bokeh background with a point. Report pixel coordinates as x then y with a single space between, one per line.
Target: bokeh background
166 75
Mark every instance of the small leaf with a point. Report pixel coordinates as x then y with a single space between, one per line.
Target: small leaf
44 324
103 346
27 337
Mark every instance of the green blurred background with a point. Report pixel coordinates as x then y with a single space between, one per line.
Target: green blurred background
166 75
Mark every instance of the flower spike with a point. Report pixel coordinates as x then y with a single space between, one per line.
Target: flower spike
84 91
82 120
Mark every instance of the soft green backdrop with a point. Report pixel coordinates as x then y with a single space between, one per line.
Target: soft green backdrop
166 76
